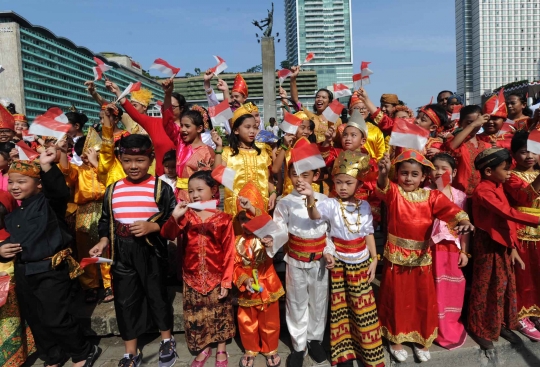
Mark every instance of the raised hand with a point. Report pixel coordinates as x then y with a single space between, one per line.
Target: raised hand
180 210
168 86
208 75
216 138
91 86
295 71
384 165
222 85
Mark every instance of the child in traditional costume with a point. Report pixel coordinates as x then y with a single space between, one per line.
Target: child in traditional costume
492 303
134 210
207 242
354 326
169 168
495 132
407 300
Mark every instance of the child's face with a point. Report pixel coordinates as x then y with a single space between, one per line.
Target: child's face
322 100
20 127
493 125
135 166
188 130
238 98
441 167
22 187
247 131
303 130
199 190
401 115
499 174
352 138
6 135
169 168
346 185
424 122
307 177
469 119
410 176
525 159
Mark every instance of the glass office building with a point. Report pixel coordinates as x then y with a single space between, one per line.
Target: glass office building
323 27
44 70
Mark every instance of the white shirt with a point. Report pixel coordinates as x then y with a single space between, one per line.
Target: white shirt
170 181
330 211
291 215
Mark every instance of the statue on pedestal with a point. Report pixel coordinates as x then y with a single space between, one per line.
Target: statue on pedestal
267 22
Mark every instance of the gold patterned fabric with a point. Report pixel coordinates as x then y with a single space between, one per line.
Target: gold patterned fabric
65 255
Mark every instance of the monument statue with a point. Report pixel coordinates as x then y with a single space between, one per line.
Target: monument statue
267 22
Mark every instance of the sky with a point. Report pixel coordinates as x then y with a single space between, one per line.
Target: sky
411 44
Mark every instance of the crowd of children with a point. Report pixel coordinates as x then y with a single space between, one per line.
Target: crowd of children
127 194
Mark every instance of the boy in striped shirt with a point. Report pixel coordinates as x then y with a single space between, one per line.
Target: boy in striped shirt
134 209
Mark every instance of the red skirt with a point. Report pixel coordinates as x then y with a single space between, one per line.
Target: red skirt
527 284
408 304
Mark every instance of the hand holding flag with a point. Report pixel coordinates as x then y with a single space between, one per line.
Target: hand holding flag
203 205
290 123
333 111
165 68
94 260
51 123
100 69
220 67
407 134
283 74
309 57
221 114
132 87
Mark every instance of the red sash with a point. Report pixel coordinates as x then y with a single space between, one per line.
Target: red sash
306 249
351 246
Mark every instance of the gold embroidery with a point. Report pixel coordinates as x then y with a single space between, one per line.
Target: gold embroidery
533 311
461 215
527 176
412 260
416 196
273 297
241 279
407 244
413 336
385 190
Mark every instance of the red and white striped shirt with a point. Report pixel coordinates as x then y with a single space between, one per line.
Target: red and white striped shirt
132 202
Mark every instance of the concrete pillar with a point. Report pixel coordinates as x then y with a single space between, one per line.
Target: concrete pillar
11 80
269 78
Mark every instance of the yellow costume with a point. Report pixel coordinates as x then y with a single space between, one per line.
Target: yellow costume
321 125
109 168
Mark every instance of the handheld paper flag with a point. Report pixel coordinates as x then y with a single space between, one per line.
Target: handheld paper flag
221 114
100 68
443 181
51 123
499 103
507 127
455 112
283 74
203 205
333 111
224 176
94 260
221 66
357 81
309 57
27 136
305 156
290 123
25 152
341 90
164 67
533 142
132 87
407 134
262 226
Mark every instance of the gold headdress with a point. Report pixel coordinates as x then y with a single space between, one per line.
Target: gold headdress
142 96
93 140
352 163
245 109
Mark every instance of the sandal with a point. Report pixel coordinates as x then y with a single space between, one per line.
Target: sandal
207 355
91 295
224 363
248 361
272 358
108 294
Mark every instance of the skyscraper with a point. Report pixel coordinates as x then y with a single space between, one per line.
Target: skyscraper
497 42
323 27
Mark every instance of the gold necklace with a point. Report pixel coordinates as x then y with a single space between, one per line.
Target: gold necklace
358 222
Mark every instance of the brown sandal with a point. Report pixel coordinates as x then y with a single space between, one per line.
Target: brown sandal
249 361
272 358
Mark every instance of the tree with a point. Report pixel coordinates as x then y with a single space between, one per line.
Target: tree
188 75
255 69
285 64
197 71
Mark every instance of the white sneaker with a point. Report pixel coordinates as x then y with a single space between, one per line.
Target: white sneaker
401 355
423 355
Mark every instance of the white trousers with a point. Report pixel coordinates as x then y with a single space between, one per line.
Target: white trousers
307 304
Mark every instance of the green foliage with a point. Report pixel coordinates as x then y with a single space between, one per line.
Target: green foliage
510 85
255 69
285 64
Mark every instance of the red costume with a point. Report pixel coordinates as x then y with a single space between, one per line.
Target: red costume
496 106
383 122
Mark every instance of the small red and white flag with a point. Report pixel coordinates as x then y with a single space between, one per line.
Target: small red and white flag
357 81
309 57
305 156
533 142
1 68
221 114
224 176
100 68
262 226
290 123
165 68
456 112
220 67
132 87
333 111
507 127
159 104
341 90
407 134
94 260
51 123
25 152
283 74
443 181
27 136
203 205
499 102
365 72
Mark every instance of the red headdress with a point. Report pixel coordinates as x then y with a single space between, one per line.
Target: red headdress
496 106
251 191
433 117
240 85
7 121
354 100
414 155
20 117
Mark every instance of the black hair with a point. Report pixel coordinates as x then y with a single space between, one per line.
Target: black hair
526 110
77 118
272 119
441 114
519 140
195 117
133 141
5 149
345 115
169 156
425 169
444 91
181 101
233 139
11 108
467 110
79 145
330 96
495 165
3 213
312 138
120 113
445 157
205 176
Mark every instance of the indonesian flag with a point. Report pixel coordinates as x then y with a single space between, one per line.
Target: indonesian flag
500 101
365 72
203 205
224 176
132 87
1 68
25 152
165 68
283 74
333 111
100 68
290 123
357 81
533 142
94 260
309 57
51 123
507 127
159 104
27 136
221 114
262 226
221 66
305 156
443 181
455 112
407 134
341 90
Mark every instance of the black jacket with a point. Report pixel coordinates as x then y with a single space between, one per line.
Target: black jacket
39 223
166 202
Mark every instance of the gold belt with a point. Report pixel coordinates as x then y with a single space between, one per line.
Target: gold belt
182 183
407 244
532 211
73 266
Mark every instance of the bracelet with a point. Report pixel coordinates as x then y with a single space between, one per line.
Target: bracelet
215 151
284 147
272 192
311 205
465 253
